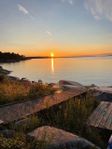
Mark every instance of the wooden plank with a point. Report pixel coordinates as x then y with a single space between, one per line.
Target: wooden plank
109 121
104 122
17 111
96 116
92 118
102 116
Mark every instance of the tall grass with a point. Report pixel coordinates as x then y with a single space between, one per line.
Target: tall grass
12 90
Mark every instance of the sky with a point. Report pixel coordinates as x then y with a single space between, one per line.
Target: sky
65 27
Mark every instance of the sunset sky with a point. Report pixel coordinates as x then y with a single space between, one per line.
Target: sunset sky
65 27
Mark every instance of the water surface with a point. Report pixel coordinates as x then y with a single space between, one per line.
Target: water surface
97 70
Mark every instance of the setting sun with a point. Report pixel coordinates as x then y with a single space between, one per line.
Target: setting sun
52 54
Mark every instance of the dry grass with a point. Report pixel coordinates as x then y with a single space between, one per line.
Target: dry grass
11 91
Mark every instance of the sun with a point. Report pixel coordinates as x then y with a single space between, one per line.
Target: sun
52 54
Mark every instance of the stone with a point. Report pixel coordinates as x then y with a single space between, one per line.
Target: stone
70 85
60 139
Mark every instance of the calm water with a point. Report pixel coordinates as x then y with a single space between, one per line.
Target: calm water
96 70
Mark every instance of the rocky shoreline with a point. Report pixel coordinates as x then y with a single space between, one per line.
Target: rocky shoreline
28 113
4 71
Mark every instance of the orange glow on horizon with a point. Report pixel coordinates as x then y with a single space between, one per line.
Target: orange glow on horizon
62 50
52 54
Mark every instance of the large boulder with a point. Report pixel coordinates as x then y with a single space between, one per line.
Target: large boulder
60 139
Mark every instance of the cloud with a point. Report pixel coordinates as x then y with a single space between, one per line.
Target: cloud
100 8
23 9
49 33
68 1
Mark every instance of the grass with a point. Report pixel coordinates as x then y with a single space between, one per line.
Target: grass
16 91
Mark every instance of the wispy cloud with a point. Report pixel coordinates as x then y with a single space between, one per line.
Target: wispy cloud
49 33
71 2
100 8
22 9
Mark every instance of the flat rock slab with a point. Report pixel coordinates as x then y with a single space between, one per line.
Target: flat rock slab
70 84
103 93
102 89
59 139
18 111
102 116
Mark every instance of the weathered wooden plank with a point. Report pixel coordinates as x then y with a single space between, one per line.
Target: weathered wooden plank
109 121
102 116
106 116
17 111
95 116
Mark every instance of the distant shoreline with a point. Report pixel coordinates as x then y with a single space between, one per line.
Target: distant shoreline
29 58
48 57
7 57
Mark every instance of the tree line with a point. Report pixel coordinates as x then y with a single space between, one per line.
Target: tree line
10 57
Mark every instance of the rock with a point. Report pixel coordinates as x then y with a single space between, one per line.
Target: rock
14 78
70 85
104 97
40 82
93 85
4 71
60 139
55 87
23 79
102 93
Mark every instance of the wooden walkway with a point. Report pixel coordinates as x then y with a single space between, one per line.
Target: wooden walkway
21 110
102 116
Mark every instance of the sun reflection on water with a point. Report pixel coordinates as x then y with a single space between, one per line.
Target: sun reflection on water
52 65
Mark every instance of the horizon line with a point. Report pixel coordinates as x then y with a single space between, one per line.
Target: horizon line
99 55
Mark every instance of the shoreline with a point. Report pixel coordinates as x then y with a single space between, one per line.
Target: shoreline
4 71
47 57
8 72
